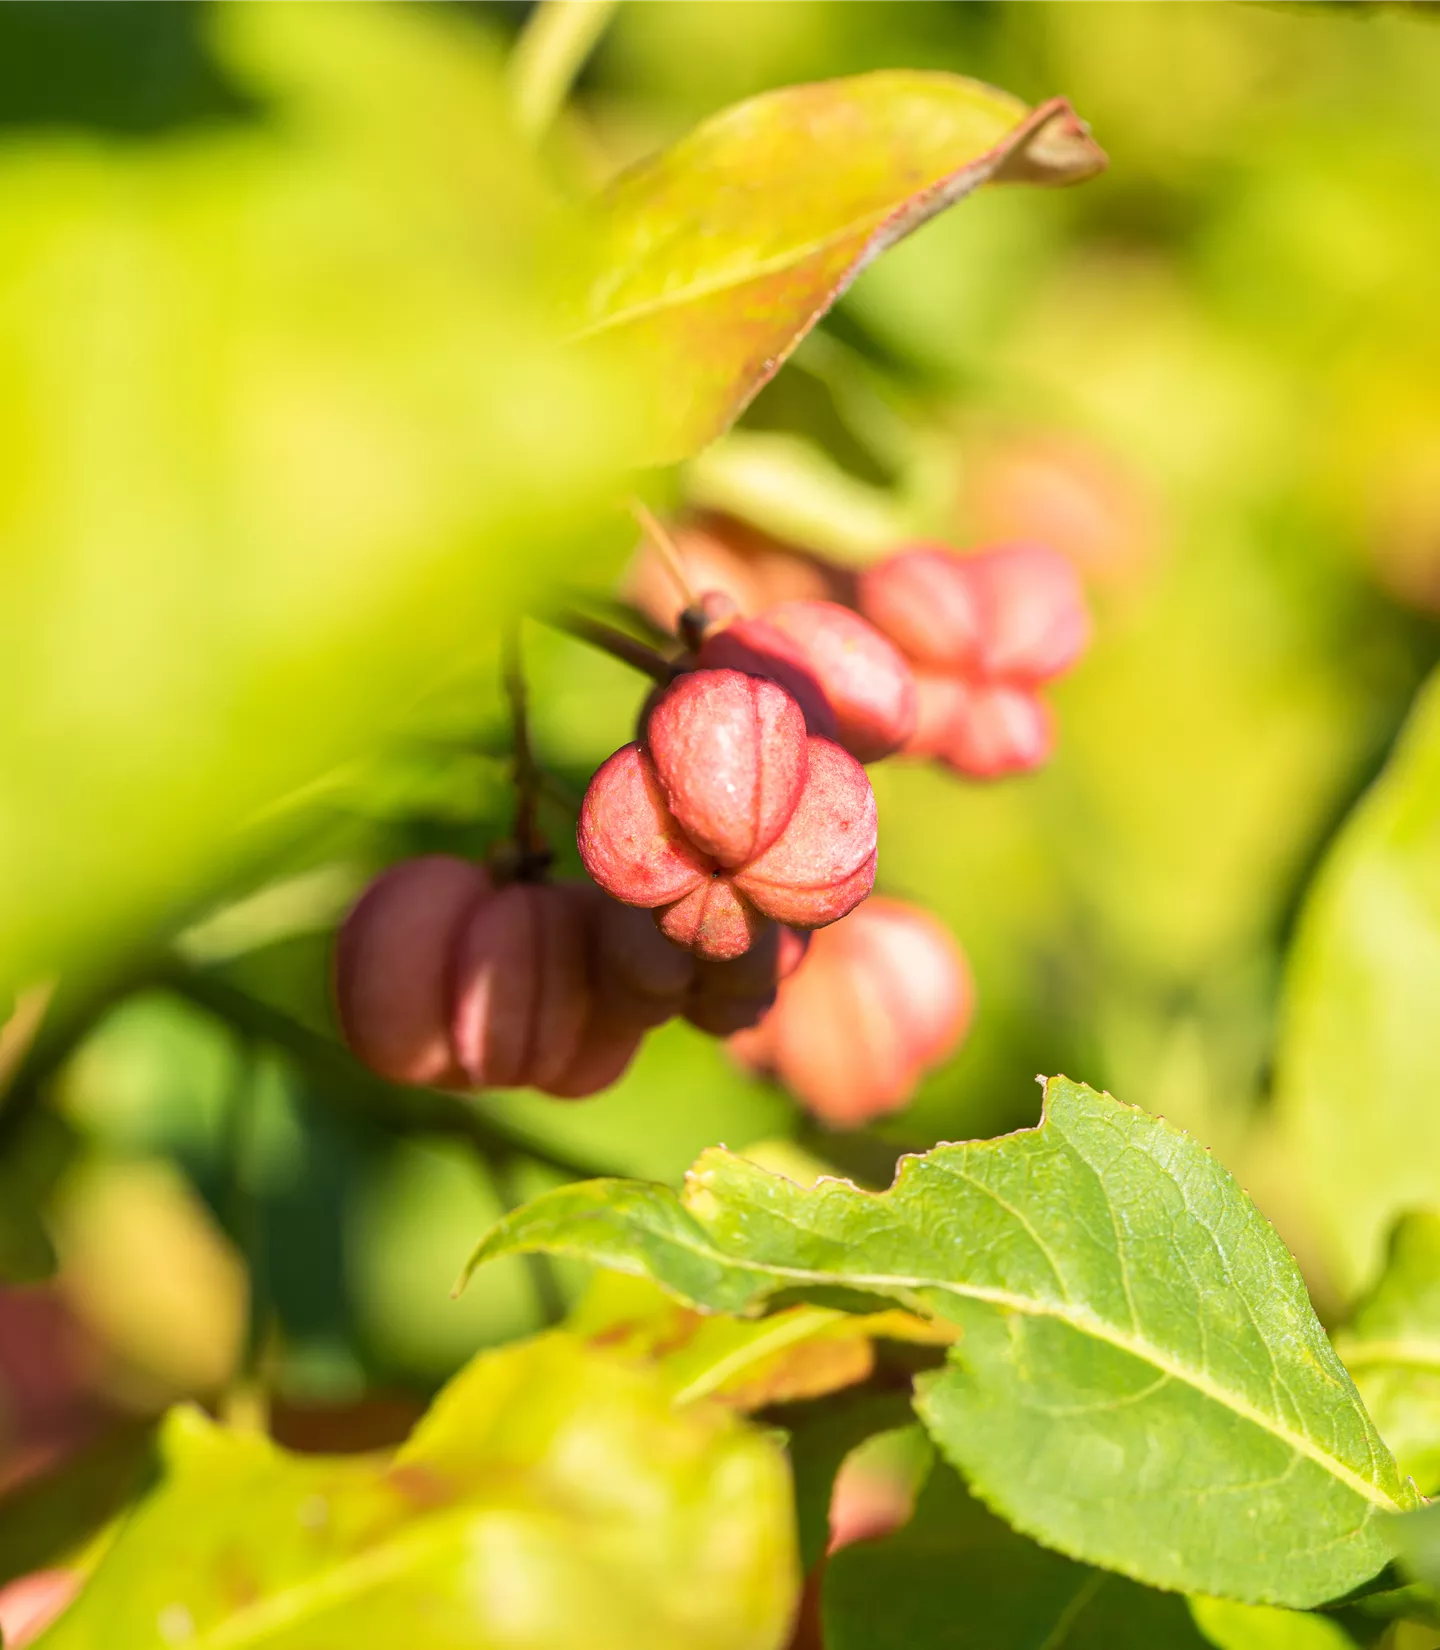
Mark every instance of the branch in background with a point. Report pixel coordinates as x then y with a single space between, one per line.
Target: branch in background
557 38
342 1079
639 655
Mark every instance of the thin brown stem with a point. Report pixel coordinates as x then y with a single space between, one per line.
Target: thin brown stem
639 655
669 551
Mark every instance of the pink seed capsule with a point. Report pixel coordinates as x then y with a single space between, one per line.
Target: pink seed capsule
601 1058
521 994
863 676
922 599
393 967
823 863
938 701
631 843
638 976
1034 623
879 998
998 730
715 920
728 996
730 755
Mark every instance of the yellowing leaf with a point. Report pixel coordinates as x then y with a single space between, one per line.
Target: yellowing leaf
553 1499
803 1352
722 252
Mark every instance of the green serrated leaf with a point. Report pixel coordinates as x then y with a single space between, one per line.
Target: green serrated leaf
1392 1348
722 252
957 1577
553 1497
1140 1380
1357 1050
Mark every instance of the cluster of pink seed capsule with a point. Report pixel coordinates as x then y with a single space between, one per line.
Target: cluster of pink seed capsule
739 820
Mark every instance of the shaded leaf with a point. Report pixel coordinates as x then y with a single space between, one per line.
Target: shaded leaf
821 1436
551 1497
957 1577
47 1519
722 252
1392 1348
1357 1049
1140 1380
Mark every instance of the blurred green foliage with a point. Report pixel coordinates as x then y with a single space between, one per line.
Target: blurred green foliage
286 440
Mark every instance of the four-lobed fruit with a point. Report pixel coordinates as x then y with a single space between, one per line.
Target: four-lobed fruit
729 816
444 979
879 999
394 967
983 633
734 824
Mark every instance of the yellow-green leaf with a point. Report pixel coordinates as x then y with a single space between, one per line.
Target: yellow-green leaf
553 1499
1140 1380
722 252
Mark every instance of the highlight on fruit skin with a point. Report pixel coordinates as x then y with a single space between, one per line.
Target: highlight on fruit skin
879 999
393 963
983 633
729 817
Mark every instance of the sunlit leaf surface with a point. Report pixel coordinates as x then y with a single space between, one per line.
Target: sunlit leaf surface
552 1498
1140 1380
722 252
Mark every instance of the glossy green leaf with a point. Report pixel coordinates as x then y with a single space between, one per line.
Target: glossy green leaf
552 1497
1140 1380
722 252
957 1577
1392 1348
1357 1053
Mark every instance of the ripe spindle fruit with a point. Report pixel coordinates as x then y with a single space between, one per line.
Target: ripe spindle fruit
729 815
644 979
984 632
393 961
520 986
852 682
879 998
726 997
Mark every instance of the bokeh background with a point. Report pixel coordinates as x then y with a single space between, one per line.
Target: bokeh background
283 438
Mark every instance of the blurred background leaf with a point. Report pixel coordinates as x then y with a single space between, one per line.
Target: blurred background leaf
490 1526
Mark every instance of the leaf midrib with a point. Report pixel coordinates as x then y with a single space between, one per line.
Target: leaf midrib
773 265
1084 1322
